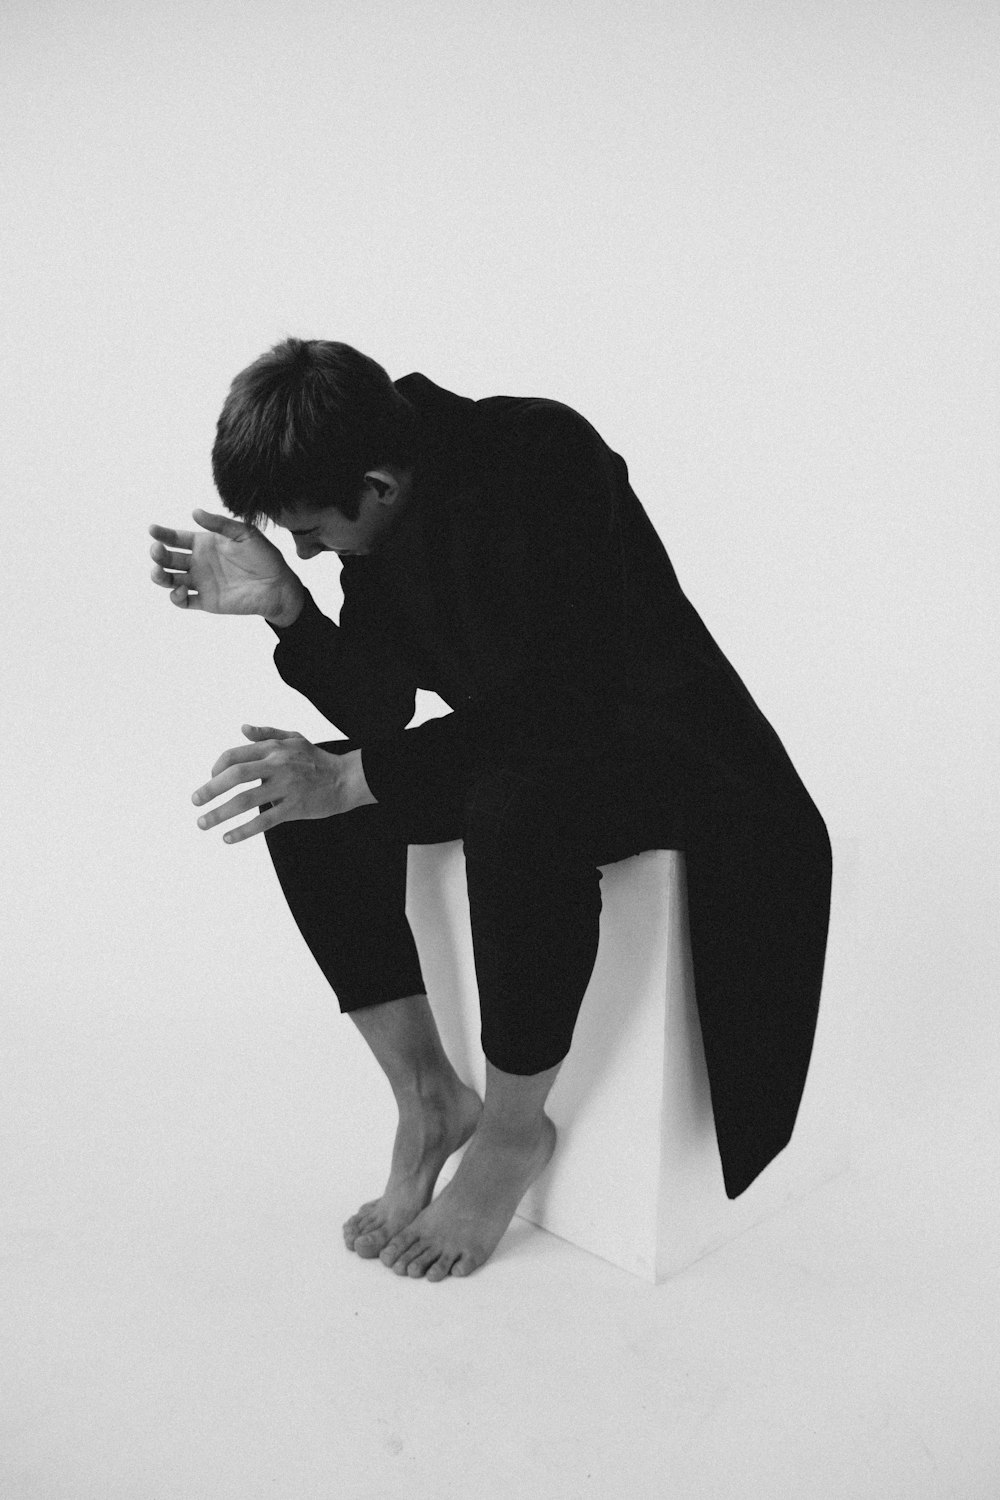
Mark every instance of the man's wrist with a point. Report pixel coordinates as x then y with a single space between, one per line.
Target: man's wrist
290 605
351 789
360 792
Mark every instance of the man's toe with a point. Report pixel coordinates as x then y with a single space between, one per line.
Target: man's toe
394 1249
420 1262
369 1244
409 1254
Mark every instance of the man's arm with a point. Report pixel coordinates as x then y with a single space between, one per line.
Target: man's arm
350 671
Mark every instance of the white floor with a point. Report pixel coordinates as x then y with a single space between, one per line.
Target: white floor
181 1321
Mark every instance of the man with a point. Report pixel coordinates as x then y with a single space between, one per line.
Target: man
494 552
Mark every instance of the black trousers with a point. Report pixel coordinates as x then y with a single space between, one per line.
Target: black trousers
533 847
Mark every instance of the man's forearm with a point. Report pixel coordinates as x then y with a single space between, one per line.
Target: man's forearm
290 605
355 679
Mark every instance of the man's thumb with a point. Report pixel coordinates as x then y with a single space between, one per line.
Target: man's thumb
266 732
236 531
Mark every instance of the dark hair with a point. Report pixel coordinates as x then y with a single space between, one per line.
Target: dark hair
302 425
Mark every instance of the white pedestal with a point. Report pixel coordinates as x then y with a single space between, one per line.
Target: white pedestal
636 1176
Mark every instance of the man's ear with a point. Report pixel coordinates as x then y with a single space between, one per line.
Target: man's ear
384 485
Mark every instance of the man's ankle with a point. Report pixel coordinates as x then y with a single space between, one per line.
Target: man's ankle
426 1085
514 1131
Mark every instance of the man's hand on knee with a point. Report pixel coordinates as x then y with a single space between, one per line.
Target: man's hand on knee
296 778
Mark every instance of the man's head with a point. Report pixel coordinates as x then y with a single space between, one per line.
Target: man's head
308 426
329 530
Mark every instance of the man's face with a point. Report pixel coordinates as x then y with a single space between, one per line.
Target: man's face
329 530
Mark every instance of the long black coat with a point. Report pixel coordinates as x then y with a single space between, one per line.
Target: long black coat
526 586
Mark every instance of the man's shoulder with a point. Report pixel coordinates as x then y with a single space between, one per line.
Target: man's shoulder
538 427
504 435
533 412
530 414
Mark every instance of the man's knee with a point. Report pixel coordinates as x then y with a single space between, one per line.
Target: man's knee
503 817
513 822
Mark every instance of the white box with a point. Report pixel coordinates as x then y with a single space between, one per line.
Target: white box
635 1177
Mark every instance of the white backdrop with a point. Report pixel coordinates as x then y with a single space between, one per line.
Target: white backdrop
753 243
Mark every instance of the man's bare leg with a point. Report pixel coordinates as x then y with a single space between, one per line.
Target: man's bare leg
511 1146
437 1115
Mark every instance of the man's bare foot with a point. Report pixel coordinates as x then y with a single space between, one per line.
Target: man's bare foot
431 1126
463 1226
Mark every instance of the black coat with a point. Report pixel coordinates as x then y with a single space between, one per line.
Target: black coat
526 586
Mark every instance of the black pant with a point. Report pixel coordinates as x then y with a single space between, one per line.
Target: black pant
533 844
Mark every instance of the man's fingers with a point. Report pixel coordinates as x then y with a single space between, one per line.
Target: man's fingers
259 824
228 772
171 571
237 755
168 580
178 561
171 537
233 808
182 596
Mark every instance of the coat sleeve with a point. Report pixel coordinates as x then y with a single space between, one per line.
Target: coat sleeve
349 671
546 590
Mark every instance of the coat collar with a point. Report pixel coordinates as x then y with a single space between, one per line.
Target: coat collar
448 429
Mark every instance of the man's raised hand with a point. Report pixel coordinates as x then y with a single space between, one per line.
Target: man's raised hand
229 568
